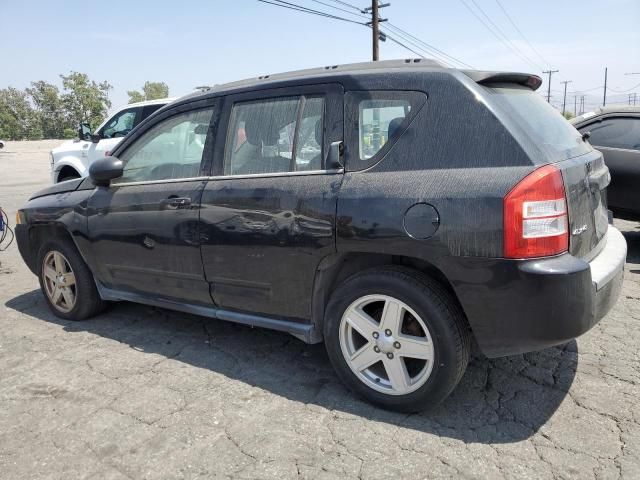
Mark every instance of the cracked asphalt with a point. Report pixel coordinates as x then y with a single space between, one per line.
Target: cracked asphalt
140 392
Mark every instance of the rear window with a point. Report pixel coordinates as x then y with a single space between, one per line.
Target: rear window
543 123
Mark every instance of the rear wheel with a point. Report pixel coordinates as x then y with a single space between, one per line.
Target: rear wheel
397 338
67 282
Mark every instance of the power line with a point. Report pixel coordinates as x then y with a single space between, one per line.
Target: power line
338 8
346 4
417 45
300 8
514 46
535 50
504 41
402 44
429 48
623 91
407 37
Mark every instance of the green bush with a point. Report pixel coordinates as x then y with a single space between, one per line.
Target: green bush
69 133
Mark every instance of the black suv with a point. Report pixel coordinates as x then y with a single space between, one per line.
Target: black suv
394 210
615 131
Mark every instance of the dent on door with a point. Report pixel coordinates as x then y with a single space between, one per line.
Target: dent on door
263 238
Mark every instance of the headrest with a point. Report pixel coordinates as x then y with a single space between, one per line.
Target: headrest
393 126
260 132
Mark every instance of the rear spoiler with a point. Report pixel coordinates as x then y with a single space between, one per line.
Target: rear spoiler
484 78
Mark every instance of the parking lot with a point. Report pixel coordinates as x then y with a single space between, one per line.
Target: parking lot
141 392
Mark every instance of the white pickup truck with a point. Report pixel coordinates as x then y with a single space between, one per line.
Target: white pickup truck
73 158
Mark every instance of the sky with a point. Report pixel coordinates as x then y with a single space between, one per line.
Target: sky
199 42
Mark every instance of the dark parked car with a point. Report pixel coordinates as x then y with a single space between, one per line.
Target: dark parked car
615 131
395 211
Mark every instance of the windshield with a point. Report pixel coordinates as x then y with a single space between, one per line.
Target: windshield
543 123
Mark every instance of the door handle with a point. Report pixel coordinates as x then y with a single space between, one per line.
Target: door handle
176 202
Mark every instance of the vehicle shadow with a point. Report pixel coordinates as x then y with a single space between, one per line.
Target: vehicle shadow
498 401
633 248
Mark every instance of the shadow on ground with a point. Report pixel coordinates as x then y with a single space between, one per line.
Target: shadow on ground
633 248
498 401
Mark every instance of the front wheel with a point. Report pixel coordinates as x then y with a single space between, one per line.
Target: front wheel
397 338
67 282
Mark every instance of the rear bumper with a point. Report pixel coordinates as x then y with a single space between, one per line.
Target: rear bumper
517 306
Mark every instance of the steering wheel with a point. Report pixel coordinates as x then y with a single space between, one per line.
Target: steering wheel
120 133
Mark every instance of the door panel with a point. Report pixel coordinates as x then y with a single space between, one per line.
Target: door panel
144 228
145 239
263 238
264 233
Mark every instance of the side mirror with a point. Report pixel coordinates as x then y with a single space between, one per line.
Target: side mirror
95 138
84 131
104 170
334 160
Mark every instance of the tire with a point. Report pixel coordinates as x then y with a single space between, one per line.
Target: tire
431 342
62 256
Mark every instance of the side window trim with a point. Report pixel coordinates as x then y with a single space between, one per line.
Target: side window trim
417 101
333 94
301 102
207 152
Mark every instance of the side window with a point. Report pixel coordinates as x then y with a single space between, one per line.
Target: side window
275 135
120 124
171 149
618 132
379 120
149 109
374 120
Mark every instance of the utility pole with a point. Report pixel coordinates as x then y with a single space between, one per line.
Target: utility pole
581 104
575 105
604 98
550 72
375 21
564 100
375 26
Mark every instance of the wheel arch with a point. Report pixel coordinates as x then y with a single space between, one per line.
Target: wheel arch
39 233
68 164
336 268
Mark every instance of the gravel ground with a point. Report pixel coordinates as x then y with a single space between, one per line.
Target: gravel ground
141 392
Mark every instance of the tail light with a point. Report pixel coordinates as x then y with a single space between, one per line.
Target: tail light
535 216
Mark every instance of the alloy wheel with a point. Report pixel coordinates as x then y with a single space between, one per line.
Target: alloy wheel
386 344
59 281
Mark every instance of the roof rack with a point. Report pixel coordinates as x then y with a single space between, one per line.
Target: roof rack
348 67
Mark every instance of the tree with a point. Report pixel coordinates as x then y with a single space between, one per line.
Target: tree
46 100
135 96
84 100
150 91
18 119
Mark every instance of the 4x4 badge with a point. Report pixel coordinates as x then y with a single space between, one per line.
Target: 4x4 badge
579 230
